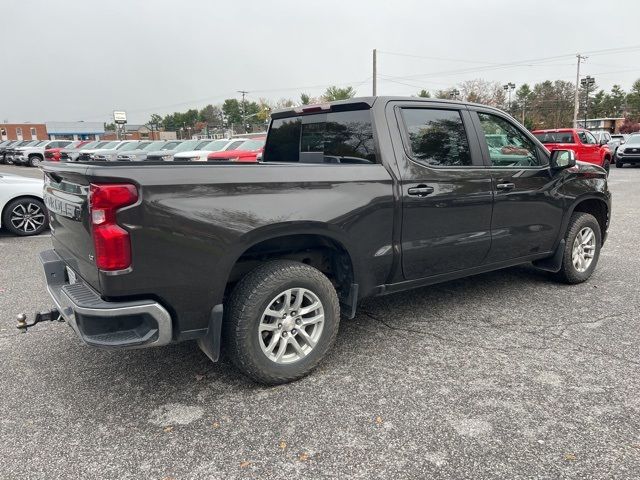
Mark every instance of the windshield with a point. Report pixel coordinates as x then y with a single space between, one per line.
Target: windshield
254 144
109 145
151 146
41 143
634 140
125 147
555 137
200 144
215 146
86 145
170 145
185 146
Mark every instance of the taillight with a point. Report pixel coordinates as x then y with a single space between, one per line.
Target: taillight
111 242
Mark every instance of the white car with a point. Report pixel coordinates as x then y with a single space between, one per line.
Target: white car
221 145
23 211
33 155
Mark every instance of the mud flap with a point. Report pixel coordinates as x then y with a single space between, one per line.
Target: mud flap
553 263
210 343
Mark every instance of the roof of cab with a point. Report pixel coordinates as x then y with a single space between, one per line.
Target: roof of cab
369 102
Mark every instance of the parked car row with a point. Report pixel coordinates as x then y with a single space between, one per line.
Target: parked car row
31 153
583 143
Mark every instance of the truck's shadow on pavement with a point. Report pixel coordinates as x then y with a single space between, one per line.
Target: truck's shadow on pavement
181 368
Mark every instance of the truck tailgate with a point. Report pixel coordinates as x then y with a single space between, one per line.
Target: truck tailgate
66 197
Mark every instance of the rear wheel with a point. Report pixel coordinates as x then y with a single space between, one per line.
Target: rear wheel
582 248
607 165
619 163
280 321
25 216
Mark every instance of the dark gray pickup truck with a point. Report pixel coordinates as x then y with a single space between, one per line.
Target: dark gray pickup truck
351 199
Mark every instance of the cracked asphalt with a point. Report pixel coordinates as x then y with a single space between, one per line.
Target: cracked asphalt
503 375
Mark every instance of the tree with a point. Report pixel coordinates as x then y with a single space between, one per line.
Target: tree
109 127
424 93
633 100
305 99
211 115
483 91
336 93
154 122
232 110
616 102
629 126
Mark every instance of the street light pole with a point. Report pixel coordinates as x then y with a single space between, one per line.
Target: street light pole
509 87
244 110
587 82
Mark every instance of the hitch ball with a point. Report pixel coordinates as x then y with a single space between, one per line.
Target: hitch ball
22 322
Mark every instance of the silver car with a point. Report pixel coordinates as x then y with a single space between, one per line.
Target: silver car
141 154
111 155
167 154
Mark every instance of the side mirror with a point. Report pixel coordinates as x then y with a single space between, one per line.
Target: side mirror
562 159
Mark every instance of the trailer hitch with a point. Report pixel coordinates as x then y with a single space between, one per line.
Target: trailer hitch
52 315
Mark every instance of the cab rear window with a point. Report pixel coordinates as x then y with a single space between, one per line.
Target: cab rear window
555 137
334 138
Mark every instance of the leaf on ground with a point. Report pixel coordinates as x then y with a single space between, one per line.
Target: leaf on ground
168 429
378 420
199 377
244 464
282 445
303 457
570 457
215 425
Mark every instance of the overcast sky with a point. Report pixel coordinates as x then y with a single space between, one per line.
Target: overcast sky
82 59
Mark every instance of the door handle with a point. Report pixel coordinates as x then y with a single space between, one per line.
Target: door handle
505 186
420 190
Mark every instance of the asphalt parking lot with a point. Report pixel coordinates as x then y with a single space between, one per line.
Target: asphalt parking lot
503 375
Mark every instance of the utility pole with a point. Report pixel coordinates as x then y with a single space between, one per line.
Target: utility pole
244 110
375 72
587 82
576 99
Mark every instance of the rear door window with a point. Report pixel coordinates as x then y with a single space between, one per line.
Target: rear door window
437 137
334 138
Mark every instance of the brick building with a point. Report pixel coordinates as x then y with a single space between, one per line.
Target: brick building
23 131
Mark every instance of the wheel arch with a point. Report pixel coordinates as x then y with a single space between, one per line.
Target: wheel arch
312 243
594 205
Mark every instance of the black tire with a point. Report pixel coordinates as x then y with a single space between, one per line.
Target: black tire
619 163
25 201
607 165
248 302
34 160
568 272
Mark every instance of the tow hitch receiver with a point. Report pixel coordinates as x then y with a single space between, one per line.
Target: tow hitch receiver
52 315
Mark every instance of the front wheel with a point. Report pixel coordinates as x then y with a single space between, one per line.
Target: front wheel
582 249
280 321
34 160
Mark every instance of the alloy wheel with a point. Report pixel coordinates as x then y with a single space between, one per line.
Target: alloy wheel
584 248
27 217
291 325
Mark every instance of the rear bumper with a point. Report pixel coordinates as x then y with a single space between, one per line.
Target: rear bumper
131 324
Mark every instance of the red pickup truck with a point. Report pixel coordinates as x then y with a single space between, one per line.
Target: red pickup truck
582 142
